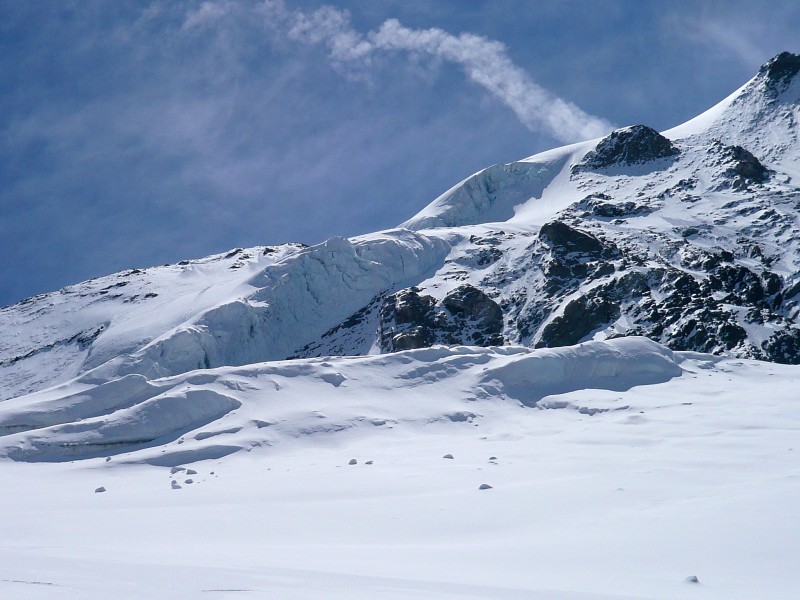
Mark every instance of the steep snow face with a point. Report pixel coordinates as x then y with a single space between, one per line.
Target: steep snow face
296 301
53 337
246 306
493 193
762 116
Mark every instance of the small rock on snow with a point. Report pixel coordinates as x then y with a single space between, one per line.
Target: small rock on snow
191 472
692 579
485 486
100 489
353 461
448 456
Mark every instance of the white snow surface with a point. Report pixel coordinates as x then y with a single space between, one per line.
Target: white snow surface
617 470
40 343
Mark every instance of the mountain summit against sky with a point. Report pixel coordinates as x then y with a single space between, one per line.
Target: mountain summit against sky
689 237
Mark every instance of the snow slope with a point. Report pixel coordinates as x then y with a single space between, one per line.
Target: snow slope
617 470
54 337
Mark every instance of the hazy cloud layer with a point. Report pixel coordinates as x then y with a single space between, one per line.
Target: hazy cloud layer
484 61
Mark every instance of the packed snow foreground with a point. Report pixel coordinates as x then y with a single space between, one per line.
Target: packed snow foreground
543 386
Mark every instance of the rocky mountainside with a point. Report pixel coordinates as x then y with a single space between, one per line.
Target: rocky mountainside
688 237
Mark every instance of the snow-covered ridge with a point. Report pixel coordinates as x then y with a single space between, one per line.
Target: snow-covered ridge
690 237
491 194
762 116
216 312
54 337
295 302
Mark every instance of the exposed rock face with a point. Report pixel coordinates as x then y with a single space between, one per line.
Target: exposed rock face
411 307
742 168
574 285
602 205
407 321
573 255
783 346
629 146
580 317
472 308
747 166
780 70
564 240
465 316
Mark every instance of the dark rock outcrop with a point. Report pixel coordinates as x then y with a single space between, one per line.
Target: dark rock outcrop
473 309
783 346
407 321
573 256
743 169
466 315
581 316
602 205
595 309
412 308
632 145
564 239
780 70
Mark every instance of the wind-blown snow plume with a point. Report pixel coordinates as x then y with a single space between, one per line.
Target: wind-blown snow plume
484 61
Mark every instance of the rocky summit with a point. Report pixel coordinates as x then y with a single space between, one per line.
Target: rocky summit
689 237
629 146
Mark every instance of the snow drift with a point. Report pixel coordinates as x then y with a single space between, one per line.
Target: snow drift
267 402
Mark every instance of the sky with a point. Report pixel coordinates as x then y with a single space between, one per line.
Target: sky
137 133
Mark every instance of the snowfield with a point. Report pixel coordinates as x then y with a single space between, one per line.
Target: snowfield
617 470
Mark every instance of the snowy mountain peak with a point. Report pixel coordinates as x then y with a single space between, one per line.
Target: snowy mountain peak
780 72
690 237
